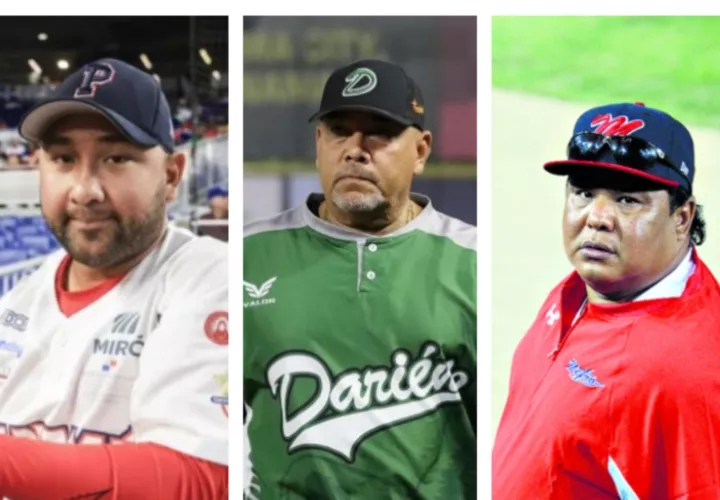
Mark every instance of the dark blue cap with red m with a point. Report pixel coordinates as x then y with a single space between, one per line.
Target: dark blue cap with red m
636 120
128 97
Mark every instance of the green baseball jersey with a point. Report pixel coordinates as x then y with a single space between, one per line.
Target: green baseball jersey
360 359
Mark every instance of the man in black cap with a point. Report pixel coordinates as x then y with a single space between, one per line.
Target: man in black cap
121 336
360 315
370 190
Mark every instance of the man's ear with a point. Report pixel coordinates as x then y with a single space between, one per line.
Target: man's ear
683 218
423 148
174 170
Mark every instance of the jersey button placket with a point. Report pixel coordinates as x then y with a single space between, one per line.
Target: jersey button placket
370 274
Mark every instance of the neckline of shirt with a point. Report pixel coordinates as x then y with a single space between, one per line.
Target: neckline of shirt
348 234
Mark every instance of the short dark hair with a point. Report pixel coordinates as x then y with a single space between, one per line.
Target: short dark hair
678 197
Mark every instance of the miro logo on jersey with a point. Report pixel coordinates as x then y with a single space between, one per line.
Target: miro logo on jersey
348 408
122 339
259 294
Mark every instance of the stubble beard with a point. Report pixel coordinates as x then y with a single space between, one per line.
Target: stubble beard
126 238
359 203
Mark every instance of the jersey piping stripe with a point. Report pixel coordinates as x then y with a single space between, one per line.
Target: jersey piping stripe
360 246
621 484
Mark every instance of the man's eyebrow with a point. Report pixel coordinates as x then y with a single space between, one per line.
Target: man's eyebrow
114 139
371 123
54 140
62 140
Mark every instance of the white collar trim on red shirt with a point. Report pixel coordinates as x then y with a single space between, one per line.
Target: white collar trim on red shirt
672 285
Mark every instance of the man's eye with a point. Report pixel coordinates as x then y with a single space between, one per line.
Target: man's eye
339 130
62 159
629 200
118 159
583 193
383 134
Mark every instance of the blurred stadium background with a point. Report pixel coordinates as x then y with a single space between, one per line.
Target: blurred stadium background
286 63
546 71
187 55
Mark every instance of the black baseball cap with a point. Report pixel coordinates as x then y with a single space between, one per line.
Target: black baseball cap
375 86
128 97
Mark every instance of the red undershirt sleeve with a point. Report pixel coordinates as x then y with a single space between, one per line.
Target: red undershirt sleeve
31 470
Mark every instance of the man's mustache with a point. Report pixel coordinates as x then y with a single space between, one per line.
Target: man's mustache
85 215
355 173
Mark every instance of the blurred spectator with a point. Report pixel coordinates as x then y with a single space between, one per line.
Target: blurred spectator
13 161
211 121
218 203
183 112
14 153
16 148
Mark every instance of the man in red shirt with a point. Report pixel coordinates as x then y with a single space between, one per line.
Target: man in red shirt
615 389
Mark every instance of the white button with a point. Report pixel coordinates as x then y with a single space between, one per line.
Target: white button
370 275
372 247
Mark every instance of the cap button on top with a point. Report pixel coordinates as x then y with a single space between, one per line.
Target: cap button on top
640 104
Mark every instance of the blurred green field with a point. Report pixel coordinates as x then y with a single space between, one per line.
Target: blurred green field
432 170
667 62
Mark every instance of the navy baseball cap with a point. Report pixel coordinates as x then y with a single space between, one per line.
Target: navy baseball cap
637 120
375 86
217 191
128 97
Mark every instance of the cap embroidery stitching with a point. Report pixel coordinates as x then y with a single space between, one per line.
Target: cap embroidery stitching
360 81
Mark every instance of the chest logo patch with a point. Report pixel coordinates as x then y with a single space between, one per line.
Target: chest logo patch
348 408
582 376
259 294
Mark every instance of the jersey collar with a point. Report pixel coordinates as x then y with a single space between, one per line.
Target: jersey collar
672 285
313 201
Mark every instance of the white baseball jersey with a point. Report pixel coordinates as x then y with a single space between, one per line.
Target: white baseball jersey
147 362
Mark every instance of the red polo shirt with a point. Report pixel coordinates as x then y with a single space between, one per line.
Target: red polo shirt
625 403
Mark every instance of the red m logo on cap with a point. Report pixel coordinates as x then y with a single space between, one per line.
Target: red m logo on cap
619 125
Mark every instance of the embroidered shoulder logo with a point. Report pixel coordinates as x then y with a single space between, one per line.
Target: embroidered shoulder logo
552 315
259 294
581 376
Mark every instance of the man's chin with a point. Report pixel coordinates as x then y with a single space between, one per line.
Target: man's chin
601 278
93 249
354 201
91 258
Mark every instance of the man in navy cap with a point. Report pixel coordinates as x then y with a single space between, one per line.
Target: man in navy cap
121 336
613 390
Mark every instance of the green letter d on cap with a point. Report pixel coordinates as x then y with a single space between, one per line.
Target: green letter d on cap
359 82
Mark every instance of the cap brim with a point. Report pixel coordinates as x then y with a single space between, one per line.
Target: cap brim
370 109
35 124
566 167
